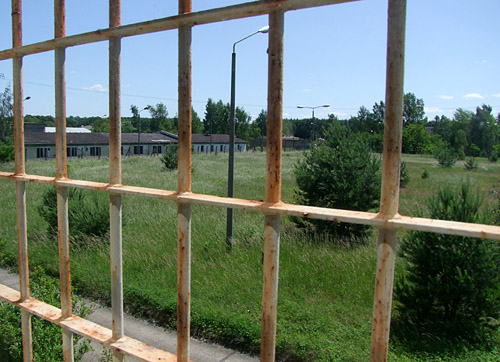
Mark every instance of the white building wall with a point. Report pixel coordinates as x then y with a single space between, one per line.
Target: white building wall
218 147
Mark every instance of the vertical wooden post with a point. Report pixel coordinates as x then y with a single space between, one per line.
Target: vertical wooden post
386 250
184 185
61 173
115 210
273 186
22 237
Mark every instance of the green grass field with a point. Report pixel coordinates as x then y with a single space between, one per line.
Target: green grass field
325 291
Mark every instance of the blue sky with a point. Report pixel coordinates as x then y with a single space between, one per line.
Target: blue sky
334 55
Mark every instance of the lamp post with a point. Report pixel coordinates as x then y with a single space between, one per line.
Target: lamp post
139 129
313 108
230 177
211 133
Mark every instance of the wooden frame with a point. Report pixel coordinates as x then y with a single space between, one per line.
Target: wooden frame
387 220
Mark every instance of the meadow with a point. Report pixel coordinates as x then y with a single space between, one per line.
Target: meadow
325 290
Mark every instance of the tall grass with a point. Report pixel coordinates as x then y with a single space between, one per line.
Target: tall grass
325 291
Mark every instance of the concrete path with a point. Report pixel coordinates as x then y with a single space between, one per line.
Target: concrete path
148 333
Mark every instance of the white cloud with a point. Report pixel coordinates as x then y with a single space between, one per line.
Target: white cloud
442 96
96 88
307 90
496 95
340 114
432 109
473 96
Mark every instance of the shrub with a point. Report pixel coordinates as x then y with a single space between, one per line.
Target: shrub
6 152
169 158
451 286
338 173
425 174
493 157
470 164
88 212
404 177
47 342
495 211
446 157
473 150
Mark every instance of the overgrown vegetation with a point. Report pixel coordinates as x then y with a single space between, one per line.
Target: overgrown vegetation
325 290
46 336
451 288
404 177
446 157
425 174
170 158
88 212
339 173
470 164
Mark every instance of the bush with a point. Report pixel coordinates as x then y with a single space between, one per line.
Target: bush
470 164
47 342
425 174
338 173
451 287
446 157
88 212
404 177
170 159
6 152
493 157
473 150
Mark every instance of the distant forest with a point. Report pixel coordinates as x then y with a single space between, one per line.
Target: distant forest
467 133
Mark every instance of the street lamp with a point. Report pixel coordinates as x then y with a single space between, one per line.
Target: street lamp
230 177
139 129
313 108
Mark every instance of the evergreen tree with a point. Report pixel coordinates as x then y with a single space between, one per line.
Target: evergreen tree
451 286
338 173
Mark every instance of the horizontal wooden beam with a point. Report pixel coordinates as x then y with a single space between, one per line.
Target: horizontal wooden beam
85 328
281 208
240 11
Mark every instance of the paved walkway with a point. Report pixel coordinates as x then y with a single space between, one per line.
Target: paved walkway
148 333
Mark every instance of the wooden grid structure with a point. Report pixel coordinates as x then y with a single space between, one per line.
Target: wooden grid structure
387 220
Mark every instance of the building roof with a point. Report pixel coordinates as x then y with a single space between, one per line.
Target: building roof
69 130
216 138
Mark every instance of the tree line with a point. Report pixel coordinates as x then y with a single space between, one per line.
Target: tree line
467 133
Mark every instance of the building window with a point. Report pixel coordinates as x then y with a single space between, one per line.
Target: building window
95 151
72 151
201 149
138 151
42 152
156 150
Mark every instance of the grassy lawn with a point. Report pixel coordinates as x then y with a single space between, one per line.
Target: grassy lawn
325 291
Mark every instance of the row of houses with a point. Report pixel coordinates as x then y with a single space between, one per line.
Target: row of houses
42 144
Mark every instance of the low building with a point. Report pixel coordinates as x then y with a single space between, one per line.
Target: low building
288 142
205 143
42 144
